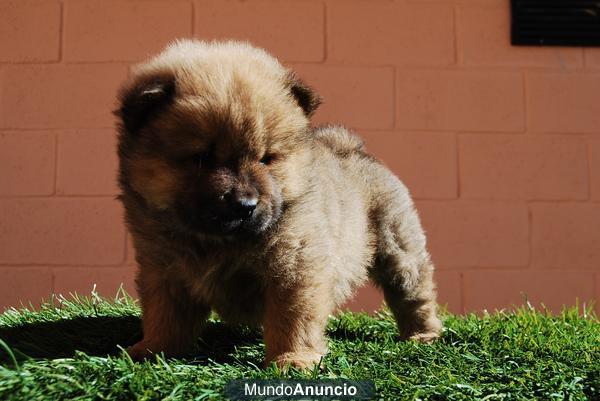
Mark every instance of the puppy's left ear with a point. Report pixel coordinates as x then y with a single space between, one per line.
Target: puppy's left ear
307 99
140 101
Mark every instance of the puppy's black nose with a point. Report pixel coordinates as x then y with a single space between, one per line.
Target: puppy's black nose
241 207
246 206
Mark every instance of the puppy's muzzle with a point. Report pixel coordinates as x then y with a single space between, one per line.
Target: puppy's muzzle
241 207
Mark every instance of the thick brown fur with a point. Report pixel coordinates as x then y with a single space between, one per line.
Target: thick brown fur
204 123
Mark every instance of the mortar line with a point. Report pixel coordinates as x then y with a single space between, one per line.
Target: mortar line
588 154
193 13
61 31
461 285
458 170
457 60
525 96
52 280
529 236
325 36
55 176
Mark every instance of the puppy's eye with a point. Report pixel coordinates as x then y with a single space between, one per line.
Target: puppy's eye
267 159
201 159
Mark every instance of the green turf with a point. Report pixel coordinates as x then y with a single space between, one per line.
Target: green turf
70 352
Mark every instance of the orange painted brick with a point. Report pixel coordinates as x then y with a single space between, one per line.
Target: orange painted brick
595 169
68 280
523 167
87 163
503 289
460 100
484 37
370 299
292 31
27 163
563 103
449 290
130 259
110 30
476 233
592 58
490 3
390 33
425 162
61 231
566 235
60 96
29 31
352 96
366 299
21 285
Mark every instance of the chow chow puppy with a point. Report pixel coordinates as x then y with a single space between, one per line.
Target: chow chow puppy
235 204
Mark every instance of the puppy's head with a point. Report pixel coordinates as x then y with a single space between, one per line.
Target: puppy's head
215 136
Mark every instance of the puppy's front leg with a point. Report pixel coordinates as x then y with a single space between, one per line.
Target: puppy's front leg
170 319
294 326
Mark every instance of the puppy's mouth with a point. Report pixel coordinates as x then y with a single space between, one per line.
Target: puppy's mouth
227 225
256 224
243 225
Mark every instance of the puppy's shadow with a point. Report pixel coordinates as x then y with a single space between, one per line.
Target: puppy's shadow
61 338
101 336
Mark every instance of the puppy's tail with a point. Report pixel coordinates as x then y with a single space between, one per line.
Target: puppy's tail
341 141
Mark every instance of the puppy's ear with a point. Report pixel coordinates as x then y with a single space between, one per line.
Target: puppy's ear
140 101
307 99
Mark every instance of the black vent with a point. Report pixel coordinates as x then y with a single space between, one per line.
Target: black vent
556 22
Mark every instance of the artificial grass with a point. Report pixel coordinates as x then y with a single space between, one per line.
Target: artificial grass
68 350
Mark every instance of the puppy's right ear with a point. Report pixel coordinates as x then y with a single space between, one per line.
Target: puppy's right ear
140 101
307 99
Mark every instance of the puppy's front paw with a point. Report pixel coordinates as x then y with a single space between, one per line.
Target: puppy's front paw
300 360
140 351
426 332
426 338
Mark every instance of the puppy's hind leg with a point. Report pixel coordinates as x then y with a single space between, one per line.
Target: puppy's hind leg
412 300
403 269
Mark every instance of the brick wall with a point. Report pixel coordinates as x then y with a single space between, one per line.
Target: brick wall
500 145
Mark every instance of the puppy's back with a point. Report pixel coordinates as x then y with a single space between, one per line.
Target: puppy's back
339 140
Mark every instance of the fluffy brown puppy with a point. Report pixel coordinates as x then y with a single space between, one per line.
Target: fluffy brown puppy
235 204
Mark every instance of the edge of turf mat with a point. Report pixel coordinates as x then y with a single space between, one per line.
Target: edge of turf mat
72 348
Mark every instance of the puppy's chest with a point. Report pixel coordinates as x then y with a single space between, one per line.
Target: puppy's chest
234 288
